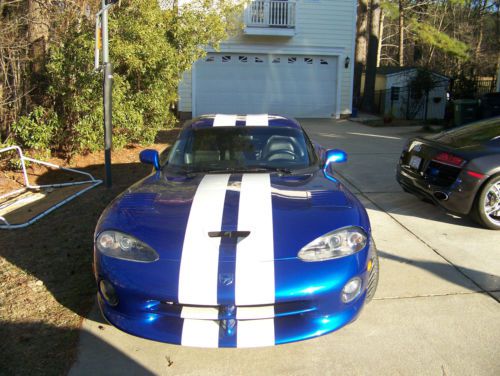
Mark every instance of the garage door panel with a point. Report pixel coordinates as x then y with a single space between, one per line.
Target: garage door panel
291 85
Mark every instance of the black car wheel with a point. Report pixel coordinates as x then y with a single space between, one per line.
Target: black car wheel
487 206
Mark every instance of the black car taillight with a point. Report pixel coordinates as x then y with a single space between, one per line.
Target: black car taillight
449 159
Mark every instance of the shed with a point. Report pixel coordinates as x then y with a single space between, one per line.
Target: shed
393 95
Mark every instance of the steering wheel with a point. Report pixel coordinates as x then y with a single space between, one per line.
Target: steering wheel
283 151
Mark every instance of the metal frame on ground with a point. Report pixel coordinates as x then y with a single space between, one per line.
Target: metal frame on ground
27 186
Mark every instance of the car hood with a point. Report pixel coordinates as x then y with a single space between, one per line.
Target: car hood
157 209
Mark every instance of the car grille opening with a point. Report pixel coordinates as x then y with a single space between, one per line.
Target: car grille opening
222 312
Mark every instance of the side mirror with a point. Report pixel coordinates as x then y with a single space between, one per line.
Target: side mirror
335 156
150 156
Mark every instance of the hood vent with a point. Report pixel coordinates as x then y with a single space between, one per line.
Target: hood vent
228 234
329 198
138 201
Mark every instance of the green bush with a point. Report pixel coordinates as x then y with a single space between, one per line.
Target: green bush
36 131
150 49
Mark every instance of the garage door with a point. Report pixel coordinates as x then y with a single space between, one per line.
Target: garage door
293 85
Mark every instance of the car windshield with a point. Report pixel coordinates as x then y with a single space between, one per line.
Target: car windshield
219 149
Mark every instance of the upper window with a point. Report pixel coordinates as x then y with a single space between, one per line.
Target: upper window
226 59
292 60
323 62
258 60
210 59
308 60
243 59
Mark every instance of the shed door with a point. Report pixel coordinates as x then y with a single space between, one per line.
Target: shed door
291 85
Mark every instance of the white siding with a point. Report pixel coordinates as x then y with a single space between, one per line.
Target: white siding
185 93
323 27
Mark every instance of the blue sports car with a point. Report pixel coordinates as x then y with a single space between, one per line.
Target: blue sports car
241 237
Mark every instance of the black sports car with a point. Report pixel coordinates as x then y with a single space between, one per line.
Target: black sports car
458 169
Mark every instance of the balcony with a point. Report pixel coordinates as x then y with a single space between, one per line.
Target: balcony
270 17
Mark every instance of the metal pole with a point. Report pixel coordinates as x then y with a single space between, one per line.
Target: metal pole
108 127
105 35
107 96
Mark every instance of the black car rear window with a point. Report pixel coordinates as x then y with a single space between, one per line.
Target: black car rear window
472 134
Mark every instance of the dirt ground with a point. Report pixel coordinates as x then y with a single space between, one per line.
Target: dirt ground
46 280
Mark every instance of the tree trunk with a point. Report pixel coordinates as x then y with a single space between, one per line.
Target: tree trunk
401 33
361 47
380 36
371 59
38 34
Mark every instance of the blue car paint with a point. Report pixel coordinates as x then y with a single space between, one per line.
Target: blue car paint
307 294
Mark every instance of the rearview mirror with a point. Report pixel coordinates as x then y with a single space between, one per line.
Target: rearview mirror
335 156
150 156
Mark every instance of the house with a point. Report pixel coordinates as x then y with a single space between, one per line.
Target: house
291 58
394 97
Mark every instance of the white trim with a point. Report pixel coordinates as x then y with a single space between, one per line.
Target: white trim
272 49
193 89
338 100
269 31
409 70
353 53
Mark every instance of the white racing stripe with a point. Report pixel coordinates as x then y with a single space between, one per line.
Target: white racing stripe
200 313
200 333
255 333
222 120
200 254
255 313
254 277
261 120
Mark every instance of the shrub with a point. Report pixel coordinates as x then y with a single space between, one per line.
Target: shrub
36 131
150 49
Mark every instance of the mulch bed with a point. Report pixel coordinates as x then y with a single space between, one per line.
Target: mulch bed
46 279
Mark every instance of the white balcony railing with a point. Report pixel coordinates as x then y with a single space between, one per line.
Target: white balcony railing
270 13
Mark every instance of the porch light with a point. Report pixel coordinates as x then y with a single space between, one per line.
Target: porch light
346 62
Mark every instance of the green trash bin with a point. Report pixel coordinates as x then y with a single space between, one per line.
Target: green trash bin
465 111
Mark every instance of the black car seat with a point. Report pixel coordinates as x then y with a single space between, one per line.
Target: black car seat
280 147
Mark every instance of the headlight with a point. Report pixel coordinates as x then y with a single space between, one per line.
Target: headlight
335 244
125 247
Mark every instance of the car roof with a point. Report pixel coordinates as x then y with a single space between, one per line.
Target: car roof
251 120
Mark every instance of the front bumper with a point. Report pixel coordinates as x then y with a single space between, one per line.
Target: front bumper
295 316
459 196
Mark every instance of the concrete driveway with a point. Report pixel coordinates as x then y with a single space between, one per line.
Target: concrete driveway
436 311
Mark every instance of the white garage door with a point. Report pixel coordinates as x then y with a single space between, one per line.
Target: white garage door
293 85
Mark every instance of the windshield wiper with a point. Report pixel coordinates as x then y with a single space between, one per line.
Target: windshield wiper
243 170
